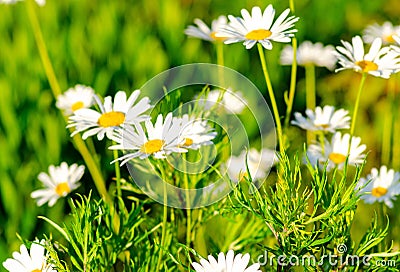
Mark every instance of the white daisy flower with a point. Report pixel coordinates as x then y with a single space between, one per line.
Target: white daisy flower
380 186
310 54
39 2
161 140
60 181
259 27
194 132
396 47
258 163
32 261
386 31
110 117
323 119
231 102
380 61
230 263
76 98
202 31
336 151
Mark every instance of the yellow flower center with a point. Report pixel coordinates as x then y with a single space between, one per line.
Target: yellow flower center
62 188
379 191
389 38
243 176
367 65
188 142
324 126
337 158
111 119
258 34
215 38
152 146
77 105
37 270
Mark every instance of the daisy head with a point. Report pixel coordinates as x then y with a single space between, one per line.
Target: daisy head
112 116
193 133
230 262
336 151
33 261
380 186
257 163
159 140
386 31
202 31
59 182
259 27
310 54
76 98
324 119
379 61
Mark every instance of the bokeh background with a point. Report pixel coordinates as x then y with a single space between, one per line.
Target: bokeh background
119 45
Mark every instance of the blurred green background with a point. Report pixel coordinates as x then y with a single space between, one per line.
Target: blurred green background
119 45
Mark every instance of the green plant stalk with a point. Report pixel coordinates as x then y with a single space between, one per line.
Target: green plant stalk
291 5
188 209
388 128
292 89
354 118
220 52
310 95
164 224
117 175
56 90
272 97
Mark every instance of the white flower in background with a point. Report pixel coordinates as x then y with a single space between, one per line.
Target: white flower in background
336 151
161 140
310 54
39 2
60 181
380 186
380 61
33 261
202 31
396 47
193 133
258 163
110 117
259 27
230 263
386 31
323 119
76 98
231 102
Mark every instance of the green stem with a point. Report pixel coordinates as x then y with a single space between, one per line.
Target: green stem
388 126
164 224
291 5
272 97
292 89
220 53
188 209
310 95
56 90
354 118
117 175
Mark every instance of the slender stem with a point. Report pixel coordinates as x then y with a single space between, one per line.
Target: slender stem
291 5
187 201
354 118
117 174
388 128
310 95
164 224
272 97
292 89
220 52
56 90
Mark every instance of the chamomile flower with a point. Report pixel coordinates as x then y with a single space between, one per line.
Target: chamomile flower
194 132
386 31
39 2
380 61
230 263
259 27
111 116
33 261
258 164
310 54
380 186
231 102
59 182
323 119
336 151
160 139
202 31
76 98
